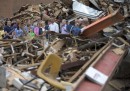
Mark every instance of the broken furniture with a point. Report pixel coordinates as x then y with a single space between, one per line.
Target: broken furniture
106 63
49 70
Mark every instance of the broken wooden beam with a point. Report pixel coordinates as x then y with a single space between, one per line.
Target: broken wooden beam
83 68
10 55
14 44
102 23
27 66
124 41
98 57
88 45
29 54
72 64
11 40
102 52
111 61
23 60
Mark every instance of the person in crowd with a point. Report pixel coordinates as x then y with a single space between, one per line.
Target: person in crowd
1 30
72 29
46 26
28 24
31 33
53 26
78 22
31 24
1 25
36 28
42 26
8 30
85 22
59 22
42 32
63 27
18 32
26 28
14 24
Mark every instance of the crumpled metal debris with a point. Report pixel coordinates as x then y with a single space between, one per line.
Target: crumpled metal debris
85 11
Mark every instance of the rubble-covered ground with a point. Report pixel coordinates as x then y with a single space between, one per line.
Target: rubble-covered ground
63 56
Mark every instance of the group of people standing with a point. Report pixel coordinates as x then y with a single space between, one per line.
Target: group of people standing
16 28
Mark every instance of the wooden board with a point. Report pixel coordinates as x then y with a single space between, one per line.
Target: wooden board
107 65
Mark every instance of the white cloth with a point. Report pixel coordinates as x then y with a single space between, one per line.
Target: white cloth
43 29
54 27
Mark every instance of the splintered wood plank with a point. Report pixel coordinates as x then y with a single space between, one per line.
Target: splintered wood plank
107 65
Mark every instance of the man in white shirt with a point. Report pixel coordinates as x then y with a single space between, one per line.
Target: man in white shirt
53 26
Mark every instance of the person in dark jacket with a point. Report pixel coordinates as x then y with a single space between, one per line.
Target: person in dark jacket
72 29
8 30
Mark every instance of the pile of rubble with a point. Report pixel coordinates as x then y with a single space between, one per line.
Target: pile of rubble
41 11
20 58
92 9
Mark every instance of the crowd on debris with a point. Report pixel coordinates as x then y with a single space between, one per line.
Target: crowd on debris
38 31
16 29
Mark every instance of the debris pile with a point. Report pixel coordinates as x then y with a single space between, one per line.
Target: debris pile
55 61
45 12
